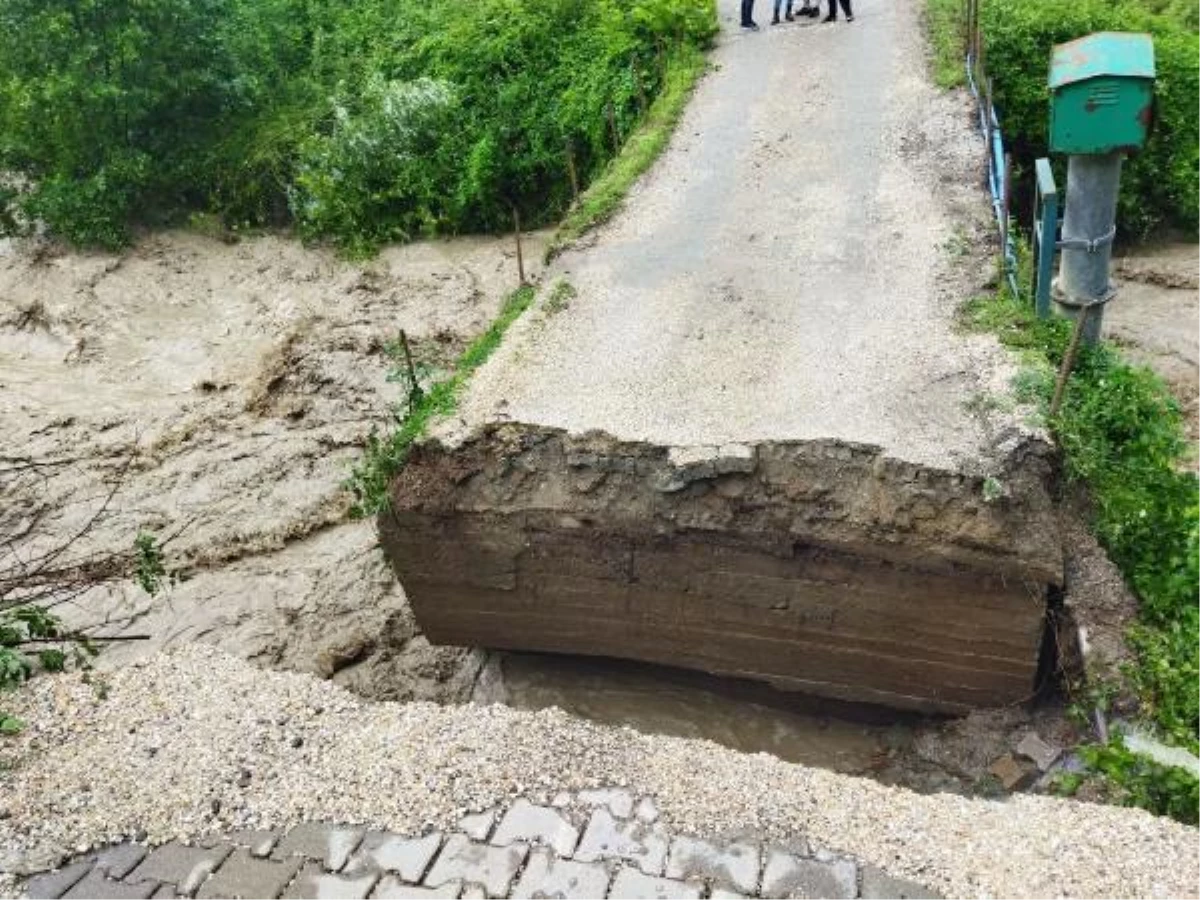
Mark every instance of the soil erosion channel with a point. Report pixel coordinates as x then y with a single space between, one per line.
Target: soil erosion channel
751 442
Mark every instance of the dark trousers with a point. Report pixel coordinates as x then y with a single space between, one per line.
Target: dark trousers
845 8
747 12
778 4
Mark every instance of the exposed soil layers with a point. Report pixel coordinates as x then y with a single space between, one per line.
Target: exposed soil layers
819 566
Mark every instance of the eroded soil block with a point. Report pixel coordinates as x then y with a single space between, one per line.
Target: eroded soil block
817 566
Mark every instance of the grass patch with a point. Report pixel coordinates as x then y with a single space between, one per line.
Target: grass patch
385 456
947 36
560 296
600 201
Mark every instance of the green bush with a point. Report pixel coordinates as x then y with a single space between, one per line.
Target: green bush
362 122
378 175
103 104
1160 185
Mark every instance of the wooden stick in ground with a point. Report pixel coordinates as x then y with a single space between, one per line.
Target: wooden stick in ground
636 72
612 127
574 175
517 235
1068 363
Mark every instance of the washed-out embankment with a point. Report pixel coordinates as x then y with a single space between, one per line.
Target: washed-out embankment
821 566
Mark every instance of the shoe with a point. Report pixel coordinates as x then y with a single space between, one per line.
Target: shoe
829 19
813 13
849 18
775 21
790 17
753 26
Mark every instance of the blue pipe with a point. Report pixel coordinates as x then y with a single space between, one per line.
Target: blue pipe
996 175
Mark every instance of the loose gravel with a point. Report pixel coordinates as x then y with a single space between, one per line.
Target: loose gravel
193 741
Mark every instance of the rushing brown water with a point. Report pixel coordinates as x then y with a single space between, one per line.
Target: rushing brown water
748 717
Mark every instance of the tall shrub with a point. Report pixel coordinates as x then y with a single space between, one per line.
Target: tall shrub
104 105
1160 185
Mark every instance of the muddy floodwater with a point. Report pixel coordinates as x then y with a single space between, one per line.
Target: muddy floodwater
743 716
223 392
921 753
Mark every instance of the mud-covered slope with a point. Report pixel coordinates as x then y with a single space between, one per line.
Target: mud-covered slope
819 566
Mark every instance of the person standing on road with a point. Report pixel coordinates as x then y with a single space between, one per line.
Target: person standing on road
832 17
788 16
748 15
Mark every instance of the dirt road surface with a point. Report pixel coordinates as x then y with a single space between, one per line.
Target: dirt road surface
789 269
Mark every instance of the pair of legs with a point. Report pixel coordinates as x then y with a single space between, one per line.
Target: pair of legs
832 17
748 14
788 15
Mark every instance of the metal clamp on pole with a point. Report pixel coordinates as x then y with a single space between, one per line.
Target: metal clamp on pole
1062 298
1092 245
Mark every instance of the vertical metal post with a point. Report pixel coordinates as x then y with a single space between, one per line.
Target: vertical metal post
1091 210
1045 236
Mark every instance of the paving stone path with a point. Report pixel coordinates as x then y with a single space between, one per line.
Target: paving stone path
594 844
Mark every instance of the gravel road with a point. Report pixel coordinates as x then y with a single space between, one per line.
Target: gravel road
790 267
194 741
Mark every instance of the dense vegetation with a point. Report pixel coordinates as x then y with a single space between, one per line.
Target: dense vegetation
360 122
1160 186
1119 428
1121 435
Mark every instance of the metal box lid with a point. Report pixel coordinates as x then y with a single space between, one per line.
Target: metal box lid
1106 53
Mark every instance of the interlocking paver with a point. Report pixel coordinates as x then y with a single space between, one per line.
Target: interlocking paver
730 865
493 867
546 875
478 826
382 851
313 883
787 875
606 838
537 824
618 800
331 844
631 884
96 887
242 875
164 892
259 843
391 888
879 885
52 885
120 859
474 892
180 865
647 810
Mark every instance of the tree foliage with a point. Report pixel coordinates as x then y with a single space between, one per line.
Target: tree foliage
363 122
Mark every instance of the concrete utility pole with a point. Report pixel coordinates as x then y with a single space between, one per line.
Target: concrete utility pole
1093 183
1101 109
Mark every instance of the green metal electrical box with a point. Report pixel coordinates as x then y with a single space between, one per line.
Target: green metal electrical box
1102 93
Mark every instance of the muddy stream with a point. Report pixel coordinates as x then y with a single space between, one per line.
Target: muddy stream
216 395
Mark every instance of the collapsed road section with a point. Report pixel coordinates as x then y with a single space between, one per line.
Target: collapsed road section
816 566
740 430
